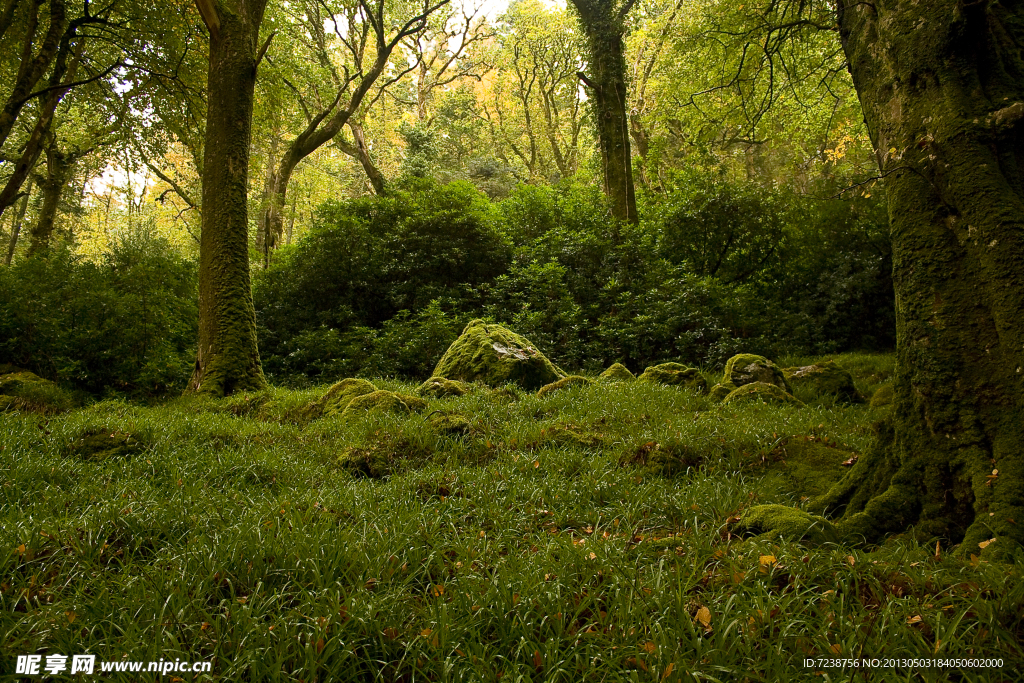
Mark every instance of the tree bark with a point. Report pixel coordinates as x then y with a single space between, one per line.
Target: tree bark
16 225
602 22
58 168
361 152
942 88
228 359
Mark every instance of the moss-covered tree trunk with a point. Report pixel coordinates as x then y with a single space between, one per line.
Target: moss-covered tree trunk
228 359
58 170
603 24
942 88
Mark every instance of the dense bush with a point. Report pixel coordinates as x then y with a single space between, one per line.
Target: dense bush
383 284
128 323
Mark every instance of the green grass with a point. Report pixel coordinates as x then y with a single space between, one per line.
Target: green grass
522 551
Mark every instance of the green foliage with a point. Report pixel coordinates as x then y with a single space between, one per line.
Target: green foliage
127 324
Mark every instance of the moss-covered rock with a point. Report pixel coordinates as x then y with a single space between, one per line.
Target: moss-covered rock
414 403
384 457
761 391
570 381
824 379
810 466
662 459
101 443
617 373
338 397
450 424
440 387
675 374
27 391
495 355
747 368
720 391
379 401
788 523
882 396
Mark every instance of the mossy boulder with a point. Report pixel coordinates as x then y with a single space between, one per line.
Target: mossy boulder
810 465
719 392
882 396
617 373
384 457
382 401
495 355
27 391
450 424
747 368
675 374
570 381
337 398
102 443
824 379
788 523
440 387
763 391
662 459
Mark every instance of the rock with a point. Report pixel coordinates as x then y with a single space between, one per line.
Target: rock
617 373
382 401
101 443
494 355
570 381
792 524
439 387
27 391
882 396
824 379
338 397
675 374
662 459
746 368
451 424
719 392
769 393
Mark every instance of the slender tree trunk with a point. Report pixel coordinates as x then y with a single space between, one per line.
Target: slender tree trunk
942 88
58 168
19 219
228 359
377 179
602 21
263 229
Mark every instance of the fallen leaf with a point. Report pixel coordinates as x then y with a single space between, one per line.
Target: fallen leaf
205 625
704 616
836 648
593 556
536 464
438 591
765 563
668 670
21 549
538 663
985 544
650 648
975 560
851 560
71 616
938 555
916 619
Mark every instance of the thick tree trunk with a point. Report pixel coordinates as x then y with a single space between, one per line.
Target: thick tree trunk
228 359
942 88
602 21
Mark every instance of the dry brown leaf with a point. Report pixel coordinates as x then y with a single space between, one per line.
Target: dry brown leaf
916 619
668 670
649 647
985 544
704 616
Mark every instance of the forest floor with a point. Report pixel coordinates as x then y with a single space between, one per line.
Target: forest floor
587 535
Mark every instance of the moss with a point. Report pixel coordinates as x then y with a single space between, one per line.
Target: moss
439 387
495 355
675 374
824 379
662 459
27 391
617 373
570 381
338 397
414 403
451 424
746 368
383 458
791 524
377 401
720 391
101 443
810 467
882 396
762 391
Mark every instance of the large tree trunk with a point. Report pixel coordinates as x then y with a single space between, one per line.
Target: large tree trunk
228 359
602 21
942 88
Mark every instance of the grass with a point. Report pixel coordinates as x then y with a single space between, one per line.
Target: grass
535 547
